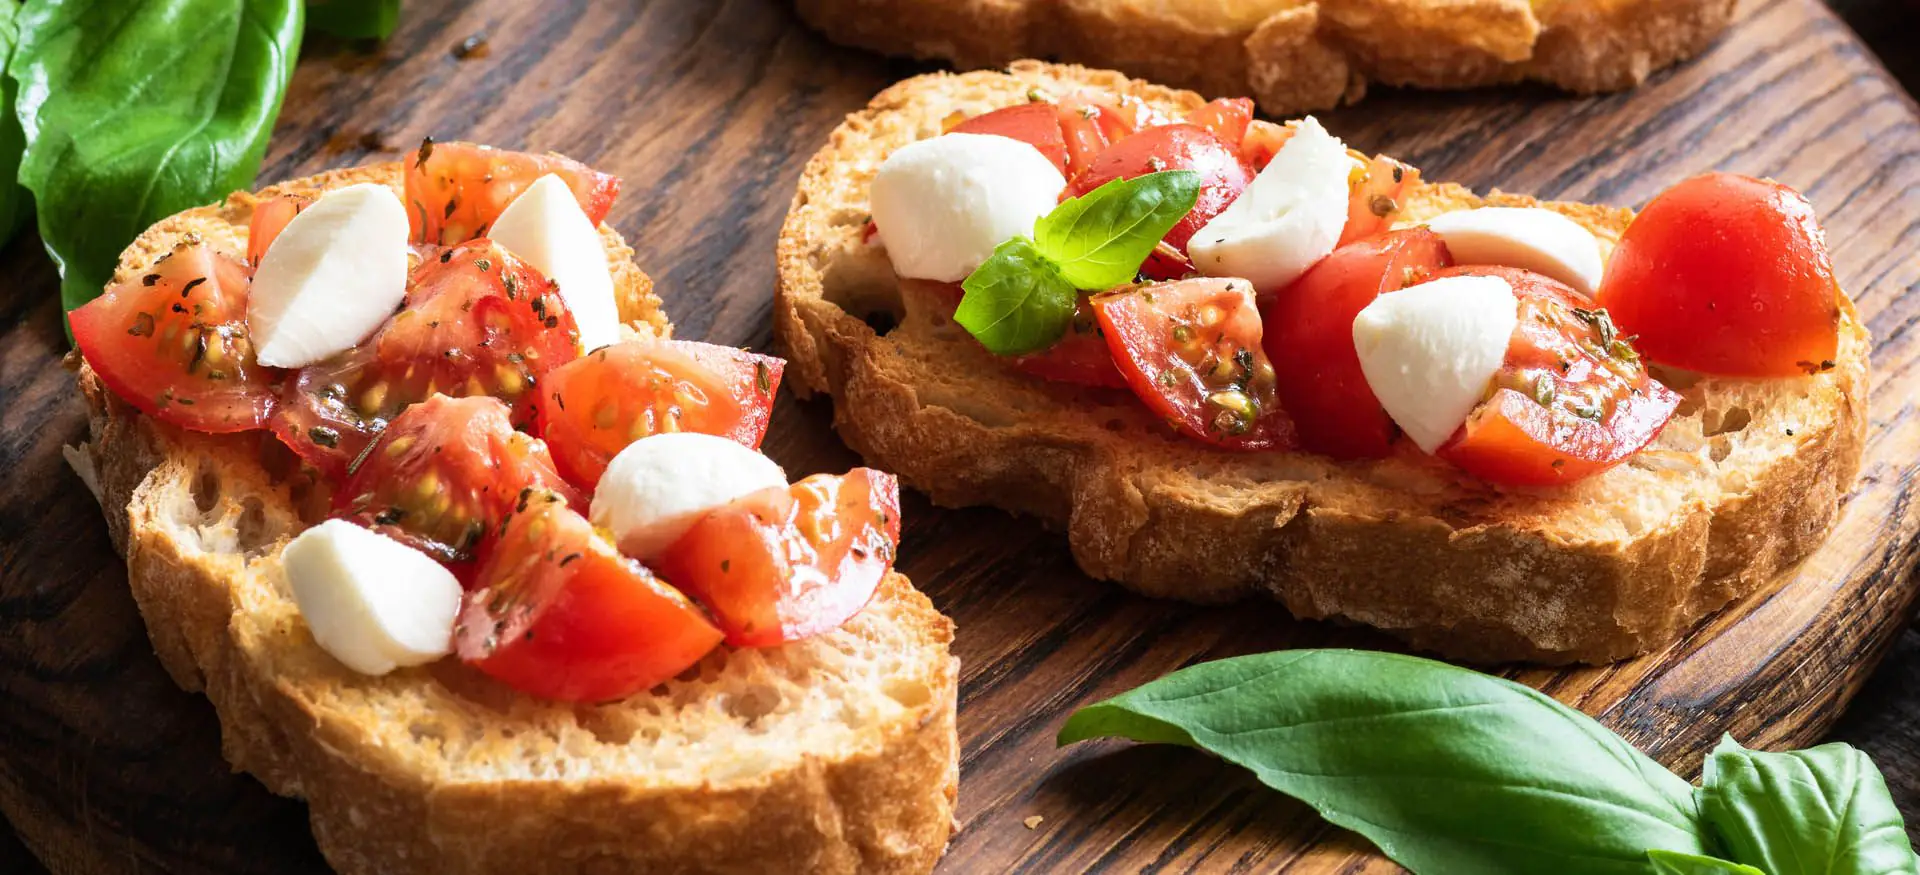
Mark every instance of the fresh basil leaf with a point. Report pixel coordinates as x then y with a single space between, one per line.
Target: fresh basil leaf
354 19
13 198
1671 863
1099 239
1446 770
137 109
1016 302
1820 811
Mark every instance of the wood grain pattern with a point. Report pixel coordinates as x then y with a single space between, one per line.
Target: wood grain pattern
708 109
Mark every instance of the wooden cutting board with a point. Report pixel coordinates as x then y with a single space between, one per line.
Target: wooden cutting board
709 109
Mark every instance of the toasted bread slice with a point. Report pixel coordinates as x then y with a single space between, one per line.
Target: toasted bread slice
1743 482
834 754
1297 55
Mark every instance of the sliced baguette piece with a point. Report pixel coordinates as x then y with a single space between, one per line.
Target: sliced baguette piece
1744 482
835 754
1294 56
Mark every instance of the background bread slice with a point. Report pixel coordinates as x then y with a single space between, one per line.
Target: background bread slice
1297 55
836 754
1743 483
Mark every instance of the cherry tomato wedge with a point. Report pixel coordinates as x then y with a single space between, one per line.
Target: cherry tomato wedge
1228 119
1572 400
594 406
1092 122
784 564
173 343
560 614
1727 274
1037 124
476 321
1261 142
1377 198
445 474
1081 357
270 217
1172 147
1191 351
1309 338
454 191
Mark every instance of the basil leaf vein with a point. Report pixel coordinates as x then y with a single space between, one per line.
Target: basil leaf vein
1099 239
1016 302
1821 811
133 110
1445 769
1672 863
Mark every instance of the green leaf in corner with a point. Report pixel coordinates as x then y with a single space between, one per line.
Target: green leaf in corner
1671 863
1016 302
1446 770
137 109
354 19
1099 239
14 202
1820 811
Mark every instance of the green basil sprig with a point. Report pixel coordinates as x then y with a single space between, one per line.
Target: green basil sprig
1022 298
1821 811
1452 771
136 110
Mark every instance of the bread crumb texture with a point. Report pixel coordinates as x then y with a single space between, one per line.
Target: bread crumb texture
1744 482
1294 56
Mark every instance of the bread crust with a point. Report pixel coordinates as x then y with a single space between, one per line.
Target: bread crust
1742 485
880 802
1296 56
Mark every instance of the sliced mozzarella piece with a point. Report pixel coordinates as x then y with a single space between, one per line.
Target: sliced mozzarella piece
659 486
1529 238
1288 219
336 271
374 603
1430 351
546 228
942 205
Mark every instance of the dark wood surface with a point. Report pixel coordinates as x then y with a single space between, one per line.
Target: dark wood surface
708 109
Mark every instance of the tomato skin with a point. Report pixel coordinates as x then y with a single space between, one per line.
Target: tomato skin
1308 335
785 564
560 614
1037 124
1517 439
1514 441
1080 357
1228 118
444 474
173 343
1377 198
270 217
454 191
596 405
1091 122
476 321
1191 351
1727 274
1172 147
1261 142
